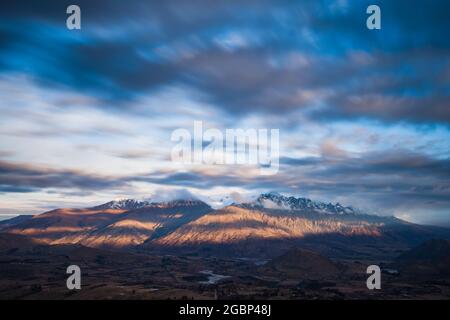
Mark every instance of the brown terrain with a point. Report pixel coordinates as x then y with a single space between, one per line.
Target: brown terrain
186 250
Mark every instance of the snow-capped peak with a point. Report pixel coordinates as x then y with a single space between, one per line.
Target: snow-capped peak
275 200
180 203
124 204
132 204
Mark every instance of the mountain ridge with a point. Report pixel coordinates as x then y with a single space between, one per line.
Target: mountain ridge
269 223
274 200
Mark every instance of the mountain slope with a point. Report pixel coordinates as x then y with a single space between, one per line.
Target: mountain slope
14 221
244 231
234 224
13 242
53 225
265 227
111 224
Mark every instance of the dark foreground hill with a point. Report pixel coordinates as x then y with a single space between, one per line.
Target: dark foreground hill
431 259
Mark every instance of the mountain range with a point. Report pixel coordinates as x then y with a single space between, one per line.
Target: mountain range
265 227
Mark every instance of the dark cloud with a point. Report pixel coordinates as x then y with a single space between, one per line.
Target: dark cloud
13 189
25 178
398 76
396 163
300 161
387 180
392 88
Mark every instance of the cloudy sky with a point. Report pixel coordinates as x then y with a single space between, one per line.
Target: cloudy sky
86 115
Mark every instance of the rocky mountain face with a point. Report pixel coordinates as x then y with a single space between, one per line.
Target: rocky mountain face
125 204
234 224
265 227
252 232
277 201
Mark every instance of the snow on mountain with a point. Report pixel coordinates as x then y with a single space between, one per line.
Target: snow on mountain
275 200
124 204
179 203
132 204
